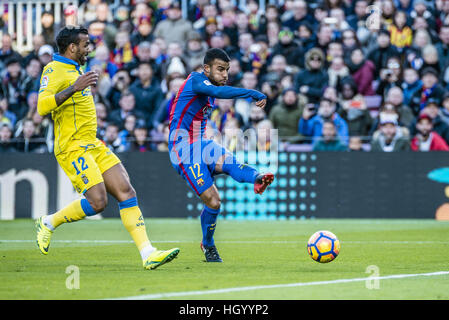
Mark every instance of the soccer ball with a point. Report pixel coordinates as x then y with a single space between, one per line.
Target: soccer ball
323 246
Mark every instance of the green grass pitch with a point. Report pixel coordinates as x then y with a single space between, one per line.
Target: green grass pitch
261 259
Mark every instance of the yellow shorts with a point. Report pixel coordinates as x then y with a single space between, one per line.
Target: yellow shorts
85 165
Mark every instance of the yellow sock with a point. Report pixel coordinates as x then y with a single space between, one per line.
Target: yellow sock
72 212
133 221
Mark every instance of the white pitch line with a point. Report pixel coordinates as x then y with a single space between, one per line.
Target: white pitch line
276 286
231 241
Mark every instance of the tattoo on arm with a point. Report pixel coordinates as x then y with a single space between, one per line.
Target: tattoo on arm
62 96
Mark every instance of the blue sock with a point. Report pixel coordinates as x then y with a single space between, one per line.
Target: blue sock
239 172
208 224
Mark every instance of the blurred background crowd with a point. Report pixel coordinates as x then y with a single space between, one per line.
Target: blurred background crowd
340 75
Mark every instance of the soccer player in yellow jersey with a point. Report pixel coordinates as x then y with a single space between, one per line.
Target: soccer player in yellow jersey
93 169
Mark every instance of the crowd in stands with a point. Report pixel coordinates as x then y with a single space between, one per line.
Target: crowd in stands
335 80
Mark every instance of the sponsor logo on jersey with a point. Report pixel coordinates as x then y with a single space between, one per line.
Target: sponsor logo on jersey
44 82
86 92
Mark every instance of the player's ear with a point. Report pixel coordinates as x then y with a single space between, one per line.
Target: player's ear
206 69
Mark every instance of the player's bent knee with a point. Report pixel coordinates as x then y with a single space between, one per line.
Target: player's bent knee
99 204
214 203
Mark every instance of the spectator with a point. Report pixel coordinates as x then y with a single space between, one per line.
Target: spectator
439 125
7 116
391 76
362 71
31 82
358 19
329 140
195 49
285 117
311 122
395 96
306 36
218 40
311 81
382 51
140 142
411 84
353 109
443 47
143 32
272 89
256 115
264 130
426 139
127 105
28 141
243 106
174 28
224 113
148 95
401 34
230 139
146 52
7 144
444 112
112 140
38 42
49 28
350 42
300 14
355 144
163 145
430 58
120 83
102 55
163 112
337 71
324 37
289 48
88 9
7 52
430 89
123 51
102 116
12 87
390 137
126 134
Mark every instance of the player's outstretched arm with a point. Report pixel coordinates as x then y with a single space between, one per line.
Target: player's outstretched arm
205 87
48 100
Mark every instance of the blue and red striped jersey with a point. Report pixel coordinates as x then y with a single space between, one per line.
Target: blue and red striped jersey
193 102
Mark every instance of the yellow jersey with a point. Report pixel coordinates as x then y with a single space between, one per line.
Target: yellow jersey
75 120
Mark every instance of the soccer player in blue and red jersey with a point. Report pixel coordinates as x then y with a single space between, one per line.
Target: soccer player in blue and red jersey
198 159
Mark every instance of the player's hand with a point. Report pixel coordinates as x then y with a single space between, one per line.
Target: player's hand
85 80
261 103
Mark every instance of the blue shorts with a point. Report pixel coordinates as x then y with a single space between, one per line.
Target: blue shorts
196 163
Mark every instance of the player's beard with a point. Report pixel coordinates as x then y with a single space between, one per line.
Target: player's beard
82 58
215 82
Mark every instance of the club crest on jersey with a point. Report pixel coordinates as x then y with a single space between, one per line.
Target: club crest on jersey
49 70
200 181
84 178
